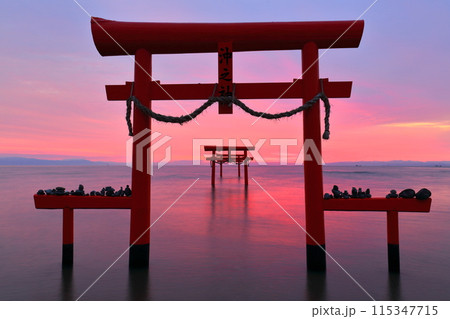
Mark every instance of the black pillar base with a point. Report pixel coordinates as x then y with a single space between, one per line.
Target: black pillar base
316 258
139 284
139 256
67 254
316 286
394 258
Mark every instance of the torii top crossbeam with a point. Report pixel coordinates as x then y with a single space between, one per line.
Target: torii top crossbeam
168 38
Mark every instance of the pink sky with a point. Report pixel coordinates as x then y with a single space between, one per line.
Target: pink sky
53 103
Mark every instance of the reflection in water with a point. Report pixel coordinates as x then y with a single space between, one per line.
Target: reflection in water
246 220
316 286
226 243
394 291
213 210
228 205
246 204
67 283
138 284
213 201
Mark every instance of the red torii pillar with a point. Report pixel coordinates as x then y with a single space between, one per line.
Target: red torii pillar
140 180
169 38
314 215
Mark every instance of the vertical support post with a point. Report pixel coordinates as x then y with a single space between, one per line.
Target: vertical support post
225 82
140 179
213 170
221 169
239 168
393 241
67 234
314 215
246 168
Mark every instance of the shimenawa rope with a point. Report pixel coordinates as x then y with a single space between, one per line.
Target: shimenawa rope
229 99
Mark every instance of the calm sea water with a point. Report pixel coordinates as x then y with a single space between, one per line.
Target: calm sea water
227 244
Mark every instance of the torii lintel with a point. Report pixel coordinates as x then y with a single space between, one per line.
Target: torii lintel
169 38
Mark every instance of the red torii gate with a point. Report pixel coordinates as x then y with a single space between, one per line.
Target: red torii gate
144 39
229 154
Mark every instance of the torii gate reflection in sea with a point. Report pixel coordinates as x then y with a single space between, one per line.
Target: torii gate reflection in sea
145 39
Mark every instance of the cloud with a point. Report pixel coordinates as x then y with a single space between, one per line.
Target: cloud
436 125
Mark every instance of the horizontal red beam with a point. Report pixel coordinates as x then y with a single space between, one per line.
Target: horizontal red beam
242 91
226 157
123 38
81 202
210 148
378 204
220 158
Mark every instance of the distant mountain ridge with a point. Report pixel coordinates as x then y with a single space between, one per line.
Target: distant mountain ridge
23 161
393 163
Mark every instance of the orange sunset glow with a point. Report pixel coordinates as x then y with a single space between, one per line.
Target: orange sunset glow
54 105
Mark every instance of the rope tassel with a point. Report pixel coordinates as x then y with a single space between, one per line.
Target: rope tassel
229 99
